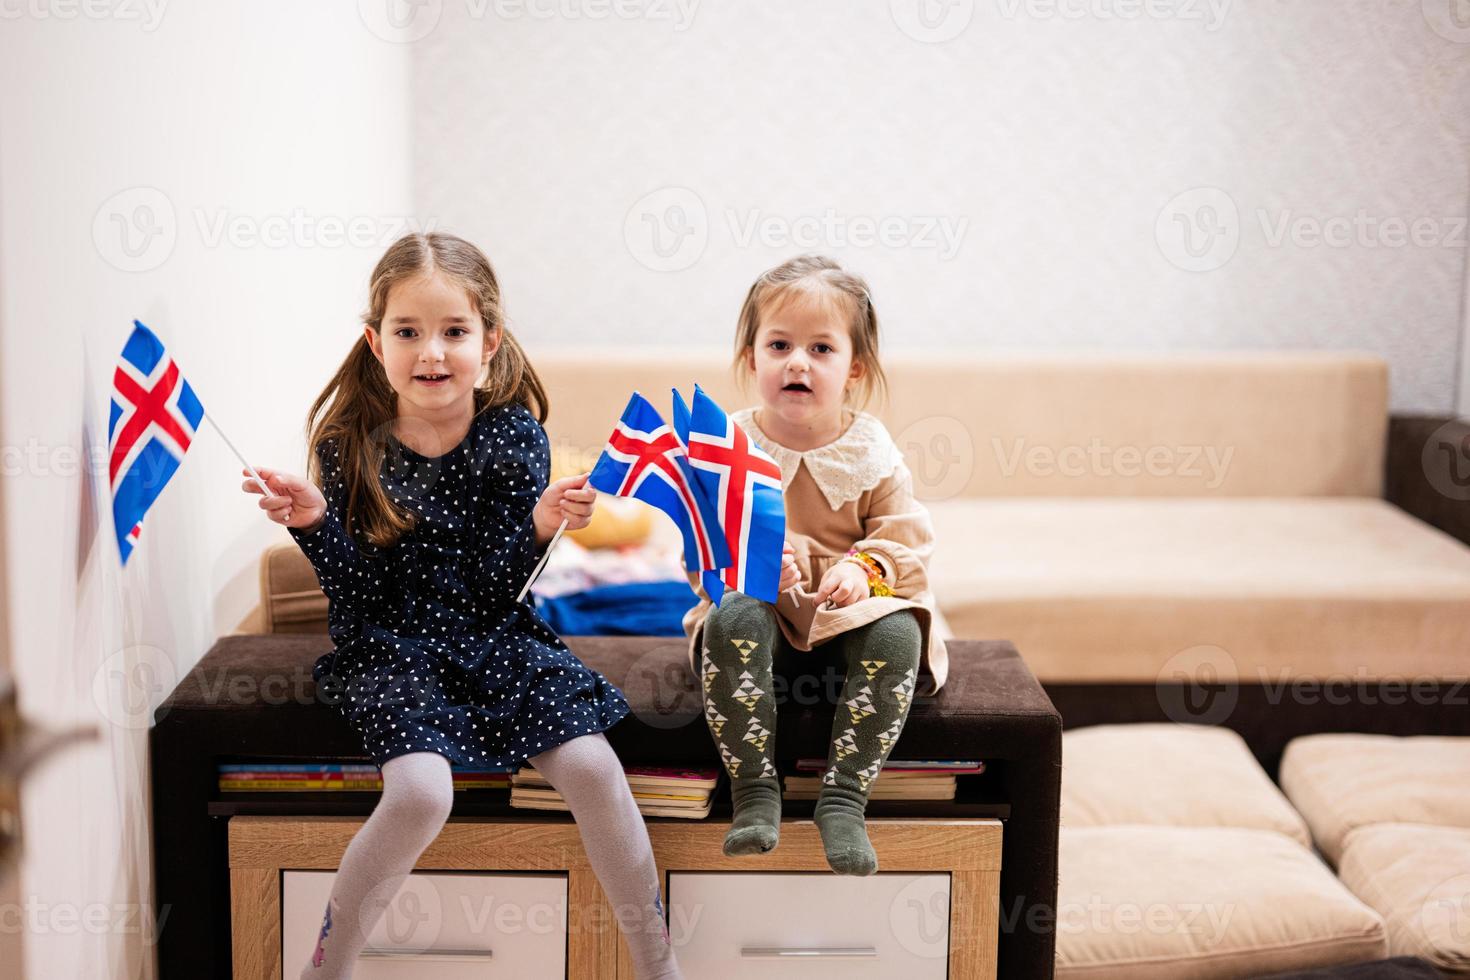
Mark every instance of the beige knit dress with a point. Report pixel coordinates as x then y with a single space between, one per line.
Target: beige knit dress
854 492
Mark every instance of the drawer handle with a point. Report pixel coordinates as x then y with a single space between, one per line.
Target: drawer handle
808 952
430 955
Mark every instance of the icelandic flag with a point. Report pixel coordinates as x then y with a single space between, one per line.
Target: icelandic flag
644 460
744 484
152 423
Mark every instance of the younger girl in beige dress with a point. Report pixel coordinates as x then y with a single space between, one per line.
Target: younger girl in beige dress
857 547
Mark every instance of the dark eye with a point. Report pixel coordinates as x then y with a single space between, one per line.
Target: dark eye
460 329
400 330
777 344
825 348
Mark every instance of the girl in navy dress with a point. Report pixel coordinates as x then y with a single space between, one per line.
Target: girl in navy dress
427 509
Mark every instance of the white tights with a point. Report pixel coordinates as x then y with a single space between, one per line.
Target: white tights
418 792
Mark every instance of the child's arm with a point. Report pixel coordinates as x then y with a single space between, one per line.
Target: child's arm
351 580
899 534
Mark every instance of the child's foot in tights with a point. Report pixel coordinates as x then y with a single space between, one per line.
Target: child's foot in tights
418 792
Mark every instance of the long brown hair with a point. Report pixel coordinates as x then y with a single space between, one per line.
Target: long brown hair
357 408
822 278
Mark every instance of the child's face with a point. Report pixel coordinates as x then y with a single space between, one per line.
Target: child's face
802 360
432 327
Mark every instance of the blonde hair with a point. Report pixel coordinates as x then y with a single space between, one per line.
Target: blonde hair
820 278
358 406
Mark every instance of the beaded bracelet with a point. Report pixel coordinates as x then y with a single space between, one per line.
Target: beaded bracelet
869 564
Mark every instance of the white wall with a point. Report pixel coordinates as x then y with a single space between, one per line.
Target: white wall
220 110
1061 138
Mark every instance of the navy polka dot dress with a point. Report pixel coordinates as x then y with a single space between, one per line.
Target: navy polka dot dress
433 653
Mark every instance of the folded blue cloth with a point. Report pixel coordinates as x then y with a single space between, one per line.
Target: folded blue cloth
634 609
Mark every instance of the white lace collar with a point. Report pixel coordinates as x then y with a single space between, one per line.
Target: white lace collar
845 468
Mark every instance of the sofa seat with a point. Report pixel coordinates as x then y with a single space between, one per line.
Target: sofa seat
1170 775
1112 589
1340 782
1201 903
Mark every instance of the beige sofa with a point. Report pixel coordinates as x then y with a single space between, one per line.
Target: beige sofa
1127 518
1108 513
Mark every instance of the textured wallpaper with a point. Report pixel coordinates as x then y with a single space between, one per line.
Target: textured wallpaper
1008 173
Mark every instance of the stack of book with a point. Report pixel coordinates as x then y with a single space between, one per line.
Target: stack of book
899 779
256 777
659 791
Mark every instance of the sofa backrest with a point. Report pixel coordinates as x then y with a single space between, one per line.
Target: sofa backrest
1058 424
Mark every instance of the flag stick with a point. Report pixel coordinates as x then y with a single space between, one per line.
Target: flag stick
537 570
256 476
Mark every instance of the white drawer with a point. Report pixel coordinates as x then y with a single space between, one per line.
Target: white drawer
733 926
442 925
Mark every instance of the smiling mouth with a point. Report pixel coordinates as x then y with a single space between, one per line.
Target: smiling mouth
431 378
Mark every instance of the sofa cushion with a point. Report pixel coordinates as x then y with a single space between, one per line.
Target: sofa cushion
1418 878
1158 903
1126 590
1341 782
1175 775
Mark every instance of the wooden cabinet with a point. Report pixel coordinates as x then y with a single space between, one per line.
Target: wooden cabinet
931 911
